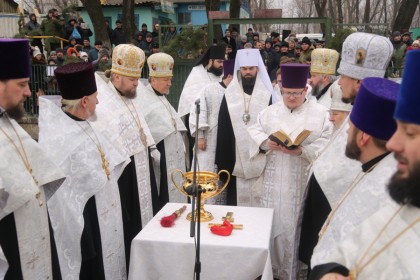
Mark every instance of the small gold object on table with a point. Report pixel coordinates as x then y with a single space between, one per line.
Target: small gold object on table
229 217
208 181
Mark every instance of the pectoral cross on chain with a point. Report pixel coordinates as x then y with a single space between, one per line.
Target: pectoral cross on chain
105 164
143 137
174 124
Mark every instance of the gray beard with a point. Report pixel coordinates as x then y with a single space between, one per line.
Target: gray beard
317 90
93 117
128 95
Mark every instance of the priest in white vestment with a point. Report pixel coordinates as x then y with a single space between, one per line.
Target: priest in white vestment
165 124
276 87
323 65
207 70
315 202
364 55
339 111
248 94
371 125
285 175
28 178
86 212
210 100
121 122
387 244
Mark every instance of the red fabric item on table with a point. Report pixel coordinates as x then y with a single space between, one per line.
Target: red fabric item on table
223 230
168 221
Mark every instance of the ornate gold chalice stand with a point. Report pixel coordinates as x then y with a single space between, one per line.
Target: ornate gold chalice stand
208 181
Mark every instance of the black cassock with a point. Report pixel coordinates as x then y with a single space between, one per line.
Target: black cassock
130 205
191 141
317 209
225 150
9 245
92 266
163 197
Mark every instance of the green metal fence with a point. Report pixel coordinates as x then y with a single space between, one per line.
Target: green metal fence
42 81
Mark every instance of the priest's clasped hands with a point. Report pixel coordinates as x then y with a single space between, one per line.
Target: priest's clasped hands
202 144
275 147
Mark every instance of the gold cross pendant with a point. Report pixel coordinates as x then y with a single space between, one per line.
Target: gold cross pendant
38 196
105 164
33 177
143 137
174 124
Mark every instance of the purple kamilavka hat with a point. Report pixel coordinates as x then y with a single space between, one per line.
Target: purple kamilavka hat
294 75
374 107
15 59
76 80
408 102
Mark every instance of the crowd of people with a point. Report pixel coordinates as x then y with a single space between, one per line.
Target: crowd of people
48 54
335 156
402 43
273 48
76 34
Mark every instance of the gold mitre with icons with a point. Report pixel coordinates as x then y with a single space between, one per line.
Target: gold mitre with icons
160 65
324 61
128 60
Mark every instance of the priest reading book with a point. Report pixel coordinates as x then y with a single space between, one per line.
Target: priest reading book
281 138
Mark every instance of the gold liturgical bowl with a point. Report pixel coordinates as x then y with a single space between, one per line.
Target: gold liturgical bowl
209 181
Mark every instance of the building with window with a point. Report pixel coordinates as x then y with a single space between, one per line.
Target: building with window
9 18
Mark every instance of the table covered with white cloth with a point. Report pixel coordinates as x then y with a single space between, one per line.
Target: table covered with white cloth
169 253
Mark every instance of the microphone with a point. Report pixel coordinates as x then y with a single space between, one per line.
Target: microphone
190 189
197 106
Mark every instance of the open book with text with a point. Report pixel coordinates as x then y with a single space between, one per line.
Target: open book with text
281 138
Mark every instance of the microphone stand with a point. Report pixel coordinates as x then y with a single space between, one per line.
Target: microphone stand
196 192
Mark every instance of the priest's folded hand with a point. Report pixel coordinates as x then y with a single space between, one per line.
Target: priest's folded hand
276 147
202 144
295 152
273 145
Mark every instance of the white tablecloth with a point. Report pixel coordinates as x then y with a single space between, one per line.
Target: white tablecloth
169 253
